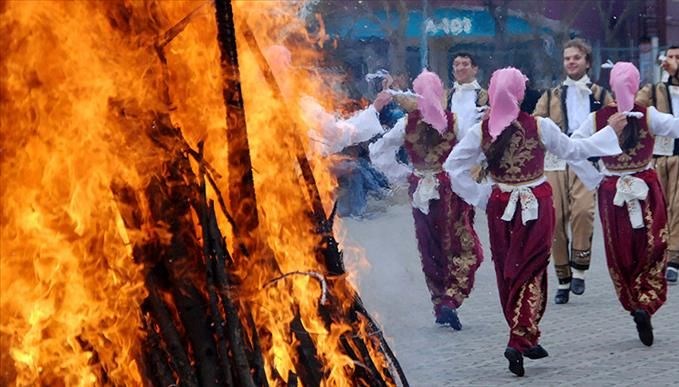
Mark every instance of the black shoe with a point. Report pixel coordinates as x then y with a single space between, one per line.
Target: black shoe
561 296
671 275
578 286
536 352
448 316
644 327
515 361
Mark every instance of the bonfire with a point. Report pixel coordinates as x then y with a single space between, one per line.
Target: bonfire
163 221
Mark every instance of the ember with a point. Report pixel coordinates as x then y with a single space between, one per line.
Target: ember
122 262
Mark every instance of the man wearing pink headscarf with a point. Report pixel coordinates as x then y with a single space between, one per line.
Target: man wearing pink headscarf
518 201
449 248
631 202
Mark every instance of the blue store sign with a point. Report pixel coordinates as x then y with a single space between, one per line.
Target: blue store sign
443 22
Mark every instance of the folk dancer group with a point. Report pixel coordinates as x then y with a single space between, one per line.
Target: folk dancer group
539 185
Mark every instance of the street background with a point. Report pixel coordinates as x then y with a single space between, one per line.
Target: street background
591 340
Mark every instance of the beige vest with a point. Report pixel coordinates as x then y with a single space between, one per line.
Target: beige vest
658 95
550 104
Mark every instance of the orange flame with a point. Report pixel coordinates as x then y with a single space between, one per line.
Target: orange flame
70 289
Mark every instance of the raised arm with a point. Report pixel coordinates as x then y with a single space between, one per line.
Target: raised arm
663 124
383 153
601 143
464 156
334 134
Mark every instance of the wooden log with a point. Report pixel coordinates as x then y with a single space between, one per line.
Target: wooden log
256 357
234 327
309 368
192 310
208 251
156 362
168 332
292 379
241 183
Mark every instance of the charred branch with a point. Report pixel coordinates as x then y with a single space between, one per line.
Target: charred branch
176 29
329 249
193 315
309 367
168 332
155 359
241 183
217 321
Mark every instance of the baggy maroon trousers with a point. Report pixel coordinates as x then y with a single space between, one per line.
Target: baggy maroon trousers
521 256
449 247
636 257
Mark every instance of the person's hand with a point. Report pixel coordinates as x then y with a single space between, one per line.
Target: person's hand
482 113
382 99
617 121
387 82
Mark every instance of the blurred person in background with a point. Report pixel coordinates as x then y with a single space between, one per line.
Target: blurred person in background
664 96
467 99
568 105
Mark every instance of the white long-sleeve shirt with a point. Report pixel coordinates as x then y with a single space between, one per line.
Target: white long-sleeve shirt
659 124
467 152
664 146
383 154
463 104
330 135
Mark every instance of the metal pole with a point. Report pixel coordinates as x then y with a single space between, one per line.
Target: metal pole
424 45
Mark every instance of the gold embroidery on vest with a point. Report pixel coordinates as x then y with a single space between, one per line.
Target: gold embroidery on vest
429 144
519 152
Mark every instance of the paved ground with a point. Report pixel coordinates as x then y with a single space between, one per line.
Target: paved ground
592 341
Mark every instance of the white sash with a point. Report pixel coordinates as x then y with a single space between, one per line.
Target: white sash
427 189
630 190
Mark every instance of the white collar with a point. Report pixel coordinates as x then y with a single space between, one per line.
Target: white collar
580 84
467 86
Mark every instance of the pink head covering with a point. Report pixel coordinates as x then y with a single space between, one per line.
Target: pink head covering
506 91
624 82
430 88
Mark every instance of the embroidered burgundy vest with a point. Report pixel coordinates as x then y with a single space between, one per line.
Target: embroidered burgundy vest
633 159
426 147
524 159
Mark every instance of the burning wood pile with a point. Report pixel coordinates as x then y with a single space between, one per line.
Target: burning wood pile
114 207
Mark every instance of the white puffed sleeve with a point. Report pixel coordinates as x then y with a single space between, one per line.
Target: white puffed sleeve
383 153
465 155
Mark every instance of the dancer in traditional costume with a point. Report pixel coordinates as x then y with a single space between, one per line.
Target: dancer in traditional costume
631 202
449 248
514 144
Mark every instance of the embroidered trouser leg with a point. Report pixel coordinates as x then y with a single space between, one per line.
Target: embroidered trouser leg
521 256
450 250
635 257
